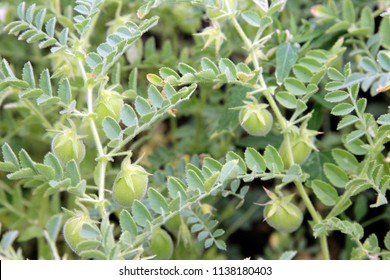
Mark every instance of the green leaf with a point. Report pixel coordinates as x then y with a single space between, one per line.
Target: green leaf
354 135
166 72
30 13
254 160
93 60
335 74
93 254
342 109
169 92
229 171
21 174
50 26
208 64
196 227
140 213
44 83
387 241
53 226
208 243
64 92
45 170
176 188
28 74
127 223
286 99
347 121
325 192
194 181
9 156
337 176
47 43
155 80
104 49
273 160
142 106
338 26
286 56
221 245
157 202
63 36
7 167
354 230
241 163
384 60
384 119
21 10
128 116
111 128
52 161
295 86
336 96
25 160
186 69
302 73
7 239
345 159
368 65
155 97
228 68
251 17
33 93
348 11
367 20
72 172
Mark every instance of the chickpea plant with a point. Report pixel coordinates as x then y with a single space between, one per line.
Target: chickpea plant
247 102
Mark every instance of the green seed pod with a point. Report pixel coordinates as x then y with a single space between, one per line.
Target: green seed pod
66 145
255 119
72 229
161 244
109 104
286 218
301 146
281 214
130 184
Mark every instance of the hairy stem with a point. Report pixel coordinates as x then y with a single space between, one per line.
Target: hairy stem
95 134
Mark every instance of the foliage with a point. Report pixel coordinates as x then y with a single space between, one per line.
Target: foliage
86 97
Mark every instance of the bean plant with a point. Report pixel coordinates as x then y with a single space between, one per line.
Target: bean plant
173 129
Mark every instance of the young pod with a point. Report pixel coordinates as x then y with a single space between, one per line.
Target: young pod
66 145
302 144
130 184
255 119
161 244
109 104
72 231
281 214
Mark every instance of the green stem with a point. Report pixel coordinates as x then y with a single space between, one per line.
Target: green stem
102 165
101 178
316 217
